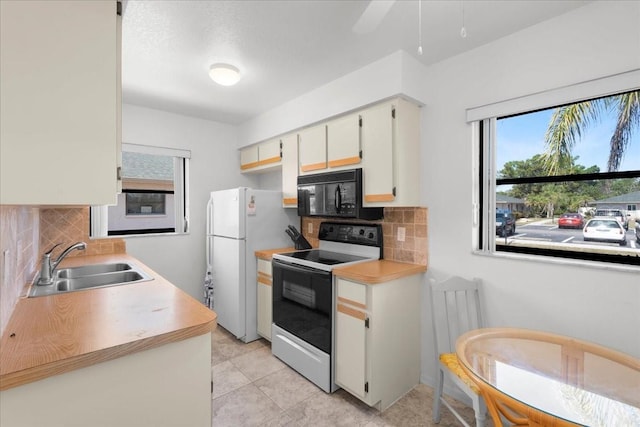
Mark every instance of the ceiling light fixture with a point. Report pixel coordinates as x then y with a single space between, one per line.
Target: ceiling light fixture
224 74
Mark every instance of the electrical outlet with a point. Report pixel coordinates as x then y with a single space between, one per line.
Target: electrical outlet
310 228
401 234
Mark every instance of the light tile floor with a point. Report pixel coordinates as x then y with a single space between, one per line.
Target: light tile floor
253 388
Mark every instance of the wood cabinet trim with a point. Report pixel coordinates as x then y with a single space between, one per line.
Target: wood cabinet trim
268 161
250 165
313 166
352 302
352 312
344 162
264 279
290 200
372 198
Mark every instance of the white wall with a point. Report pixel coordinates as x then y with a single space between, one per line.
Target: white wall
591 303
385 78
213 166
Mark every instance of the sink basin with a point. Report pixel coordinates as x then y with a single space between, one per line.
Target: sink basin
89 277
87 270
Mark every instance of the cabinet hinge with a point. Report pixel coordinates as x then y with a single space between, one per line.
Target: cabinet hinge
360 122
366 322
119 173
119 8
393 113
366 387
280 149
360 153
394 192
212 387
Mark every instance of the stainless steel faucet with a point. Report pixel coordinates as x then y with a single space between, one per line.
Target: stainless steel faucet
48 267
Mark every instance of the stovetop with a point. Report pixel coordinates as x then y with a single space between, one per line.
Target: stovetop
340 244
324 257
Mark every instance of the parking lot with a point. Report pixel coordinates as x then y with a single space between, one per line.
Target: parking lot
547 231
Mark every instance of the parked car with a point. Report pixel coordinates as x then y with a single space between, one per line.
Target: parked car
615 213
604 230
505 224
571 220
638 232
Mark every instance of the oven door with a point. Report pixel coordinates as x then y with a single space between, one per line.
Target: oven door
302 303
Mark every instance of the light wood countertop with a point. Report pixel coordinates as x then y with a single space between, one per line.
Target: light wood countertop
54 334
266 254
374 272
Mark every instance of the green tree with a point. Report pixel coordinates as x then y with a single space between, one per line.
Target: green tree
569 122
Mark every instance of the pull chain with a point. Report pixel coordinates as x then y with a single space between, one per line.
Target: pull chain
463 30
419 27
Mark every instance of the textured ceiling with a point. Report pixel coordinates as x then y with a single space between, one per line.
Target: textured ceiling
286 48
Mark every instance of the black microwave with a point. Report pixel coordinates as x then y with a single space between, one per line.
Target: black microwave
334 194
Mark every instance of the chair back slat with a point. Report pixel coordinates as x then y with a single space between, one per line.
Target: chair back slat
455 307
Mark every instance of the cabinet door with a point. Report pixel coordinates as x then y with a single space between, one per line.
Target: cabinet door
290 171
351 337
269 152
264 305
377 154
60 73
249 157
312 148
343 141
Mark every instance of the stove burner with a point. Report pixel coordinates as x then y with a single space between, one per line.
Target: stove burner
324 257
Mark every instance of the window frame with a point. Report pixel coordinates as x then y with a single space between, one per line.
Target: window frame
98 220
486 183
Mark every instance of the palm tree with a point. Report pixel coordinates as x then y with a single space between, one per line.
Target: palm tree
568 122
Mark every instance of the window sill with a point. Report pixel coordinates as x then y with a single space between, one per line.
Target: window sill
560 261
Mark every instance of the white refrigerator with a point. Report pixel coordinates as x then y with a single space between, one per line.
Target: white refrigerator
239 222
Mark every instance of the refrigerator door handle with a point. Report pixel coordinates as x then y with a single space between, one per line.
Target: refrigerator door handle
209 219
209 260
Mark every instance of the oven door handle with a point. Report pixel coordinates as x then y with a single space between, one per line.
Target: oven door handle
299 348
299 268
338 199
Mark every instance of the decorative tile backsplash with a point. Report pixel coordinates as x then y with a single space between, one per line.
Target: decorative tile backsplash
26 233
71 225
414 222
19 230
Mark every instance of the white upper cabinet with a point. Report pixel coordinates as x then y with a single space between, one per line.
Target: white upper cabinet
377 148
391 154
343 141
261 157
60 102
312 149
290 171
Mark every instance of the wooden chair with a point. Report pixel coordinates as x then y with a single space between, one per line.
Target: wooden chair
455 309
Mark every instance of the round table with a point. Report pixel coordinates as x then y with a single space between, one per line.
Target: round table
538 378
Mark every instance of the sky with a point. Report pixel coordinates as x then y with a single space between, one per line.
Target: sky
521 137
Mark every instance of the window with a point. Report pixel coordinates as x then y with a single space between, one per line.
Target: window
552 169
154 196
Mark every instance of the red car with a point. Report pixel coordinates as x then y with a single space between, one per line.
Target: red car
571 220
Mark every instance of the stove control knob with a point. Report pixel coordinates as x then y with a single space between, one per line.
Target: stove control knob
361 232
370 235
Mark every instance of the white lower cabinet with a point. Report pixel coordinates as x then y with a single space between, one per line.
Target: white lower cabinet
265 296
377 339
167 386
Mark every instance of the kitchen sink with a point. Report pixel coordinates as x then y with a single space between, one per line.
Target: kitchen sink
88 270
90 277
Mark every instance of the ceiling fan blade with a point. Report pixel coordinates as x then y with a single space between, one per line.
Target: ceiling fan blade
372 16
